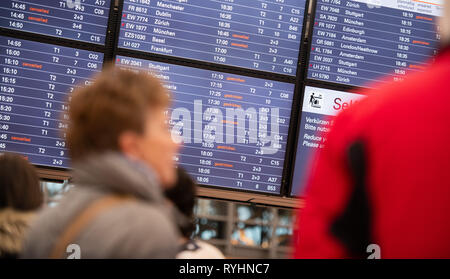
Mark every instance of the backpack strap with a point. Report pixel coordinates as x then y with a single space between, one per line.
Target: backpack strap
83 219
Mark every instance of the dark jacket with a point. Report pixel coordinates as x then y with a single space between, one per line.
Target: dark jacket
144 228
384 176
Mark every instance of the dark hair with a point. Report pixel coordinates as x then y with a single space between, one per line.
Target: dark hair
117 101
19 184
183 195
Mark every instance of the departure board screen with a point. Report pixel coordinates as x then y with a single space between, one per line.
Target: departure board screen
359 42
320 106
233 128
81 20
258 35
35 81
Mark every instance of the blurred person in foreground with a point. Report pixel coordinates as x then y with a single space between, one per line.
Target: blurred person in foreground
384 176
20 198
122 154
183 196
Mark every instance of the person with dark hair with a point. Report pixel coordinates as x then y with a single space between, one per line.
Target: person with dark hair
122 156
183 196
20 197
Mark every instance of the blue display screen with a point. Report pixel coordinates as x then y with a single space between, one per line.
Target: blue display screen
81 20
35 80
356 43
233 128
257 35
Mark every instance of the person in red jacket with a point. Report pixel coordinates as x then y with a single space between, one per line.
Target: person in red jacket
383 177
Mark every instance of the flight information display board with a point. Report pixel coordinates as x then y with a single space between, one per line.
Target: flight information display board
258 35
35 80
234 128
320 106
359 42
81 20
